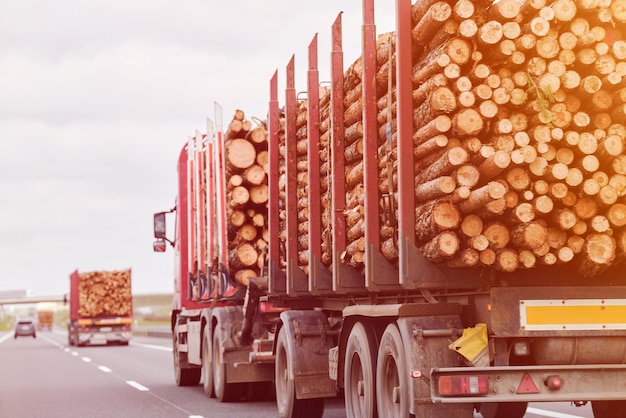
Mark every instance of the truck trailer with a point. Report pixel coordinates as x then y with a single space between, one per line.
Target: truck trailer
45 315
438 231
101 308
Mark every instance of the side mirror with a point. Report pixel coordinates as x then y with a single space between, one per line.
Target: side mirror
159 246
160 229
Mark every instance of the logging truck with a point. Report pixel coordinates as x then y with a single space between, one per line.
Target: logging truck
45 315
101 308
438 232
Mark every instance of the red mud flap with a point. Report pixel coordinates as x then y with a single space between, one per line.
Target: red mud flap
528 383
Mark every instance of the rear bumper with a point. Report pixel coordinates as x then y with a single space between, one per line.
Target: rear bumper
97 337
531 383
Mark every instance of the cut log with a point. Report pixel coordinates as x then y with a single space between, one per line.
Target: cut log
597 255
441 247
498 235
434 188
529 235
434 217
243 256
240 154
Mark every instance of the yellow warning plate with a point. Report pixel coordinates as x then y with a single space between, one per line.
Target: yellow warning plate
573 314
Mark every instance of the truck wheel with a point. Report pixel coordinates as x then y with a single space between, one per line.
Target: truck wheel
185 376
608 409
288 405
207 364
503 409
224 392
359 369
393 388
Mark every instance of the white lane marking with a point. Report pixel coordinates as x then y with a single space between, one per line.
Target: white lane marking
86 359
137 385
551 414
151 346
5 337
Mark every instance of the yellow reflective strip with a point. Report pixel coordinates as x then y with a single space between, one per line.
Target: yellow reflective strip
570 315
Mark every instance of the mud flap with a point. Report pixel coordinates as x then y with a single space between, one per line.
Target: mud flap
426 340
309 342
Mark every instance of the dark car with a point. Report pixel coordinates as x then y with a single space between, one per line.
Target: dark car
25 328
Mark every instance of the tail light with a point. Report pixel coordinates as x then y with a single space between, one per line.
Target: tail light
464 385
554 382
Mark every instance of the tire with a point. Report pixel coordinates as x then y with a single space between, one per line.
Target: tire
391 376
207 363
184 376
503 409
224 392
608 409
359 374
288 405
260 392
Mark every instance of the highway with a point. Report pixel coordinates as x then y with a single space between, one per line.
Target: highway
46 377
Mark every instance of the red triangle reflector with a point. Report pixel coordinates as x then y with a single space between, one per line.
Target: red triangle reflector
527 385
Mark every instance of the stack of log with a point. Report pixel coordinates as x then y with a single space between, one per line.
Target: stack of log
519 135
247 167
105 293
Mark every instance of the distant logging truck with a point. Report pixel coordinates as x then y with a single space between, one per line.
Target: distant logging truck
101 308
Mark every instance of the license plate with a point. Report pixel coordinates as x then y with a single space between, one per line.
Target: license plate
106 329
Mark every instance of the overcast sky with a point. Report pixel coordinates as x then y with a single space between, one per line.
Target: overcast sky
98 96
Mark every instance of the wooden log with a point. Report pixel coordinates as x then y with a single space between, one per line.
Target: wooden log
433 217
430 146
434 188
243 276
389 250
564 10
527 259
440 248
498 235
430 22
254 175
616 215
242 256
467 257
240 154
440 101
481 196
487 257
529 235
494 164
245 233
104 293
507 260
466 175
445 165
597 255
238 197
439 125
468 122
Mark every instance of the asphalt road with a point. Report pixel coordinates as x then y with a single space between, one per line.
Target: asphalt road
45 377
